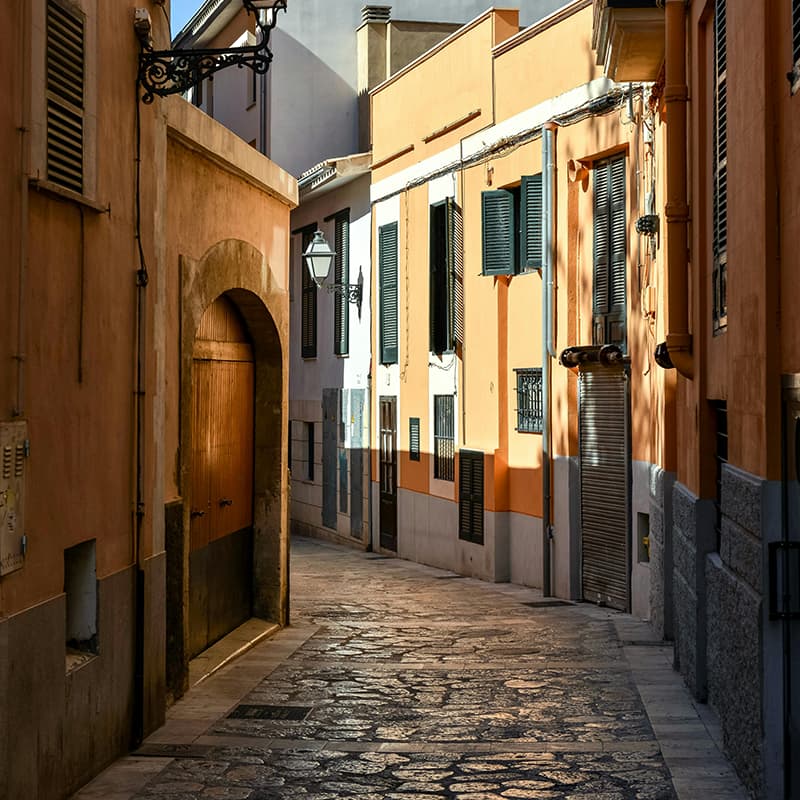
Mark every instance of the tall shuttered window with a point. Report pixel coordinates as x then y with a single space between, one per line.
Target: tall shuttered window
65 96
446 276
444 437
529 400
794 75
512 228
309 309
341 315
610 253
470 496
387 279
720 192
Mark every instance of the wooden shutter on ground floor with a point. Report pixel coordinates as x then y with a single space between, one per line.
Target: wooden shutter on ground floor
470 496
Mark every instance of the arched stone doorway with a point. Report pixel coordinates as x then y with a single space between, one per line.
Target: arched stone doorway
234 285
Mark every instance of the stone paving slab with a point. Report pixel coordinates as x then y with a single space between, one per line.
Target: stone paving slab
425 688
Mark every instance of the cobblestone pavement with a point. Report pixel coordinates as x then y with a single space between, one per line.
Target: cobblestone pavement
400 681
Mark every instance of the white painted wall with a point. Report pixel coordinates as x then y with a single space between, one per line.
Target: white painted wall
308 377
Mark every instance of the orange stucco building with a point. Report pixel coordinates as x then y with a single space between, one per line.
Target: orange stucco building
129 293
729 581
492 193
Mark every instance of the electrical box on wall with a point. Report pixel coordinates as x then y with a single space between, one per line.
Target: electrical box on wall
13 456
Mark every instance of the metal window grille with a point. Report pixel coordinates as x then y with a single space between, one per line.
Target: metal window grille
720 191
444 437
65 96
413 438
529 400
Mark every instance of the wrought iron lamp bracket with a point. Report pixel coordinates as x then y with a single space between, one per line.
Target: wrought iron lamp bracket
166 72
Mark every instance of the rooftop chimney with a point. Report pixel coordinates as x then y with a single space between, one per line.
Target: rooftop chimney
375 14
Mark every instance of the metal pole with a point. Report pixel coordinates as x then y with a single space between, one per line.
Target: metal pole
548 264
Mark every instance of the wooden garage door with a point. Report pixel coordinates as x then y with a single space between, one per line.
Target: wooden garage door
222 476
605 471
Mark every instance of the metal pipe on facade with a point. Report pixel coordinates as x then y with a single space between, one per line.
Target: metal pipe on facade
676 93
24 131
548 351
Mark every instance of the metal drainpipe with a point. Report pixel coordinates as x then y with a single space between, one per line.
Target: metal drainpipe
262 92
370 547
676 93
548 351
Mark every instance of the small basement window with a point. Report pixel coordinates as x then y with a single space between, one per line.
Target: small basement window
80 588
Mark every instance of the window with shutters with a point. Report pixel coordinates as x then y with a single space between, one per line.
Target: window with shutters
443 437
65 71
794 75
470 496
309 305
413 438
446 276
387 288
341 315
512 228
719 276
529 400
610 253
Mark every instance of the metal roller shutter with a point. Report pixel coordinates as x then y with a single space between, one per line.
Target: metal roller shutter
605 470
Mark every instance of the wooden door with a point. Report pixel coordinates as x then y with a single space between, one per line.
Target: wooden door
220 561
388 474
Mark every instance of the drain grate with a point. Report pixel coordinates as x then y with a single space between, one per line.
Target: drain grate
645 643
174 750
548 603
281 713
449 577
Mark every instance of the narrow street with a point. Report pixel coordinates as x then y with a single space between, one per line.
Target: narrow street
400 681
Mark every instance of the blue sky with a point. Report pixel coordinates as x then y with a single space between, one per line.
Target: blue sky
181 12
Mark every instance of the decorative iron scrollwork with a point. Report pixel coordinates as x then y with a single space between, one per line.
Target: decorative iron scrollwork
165 72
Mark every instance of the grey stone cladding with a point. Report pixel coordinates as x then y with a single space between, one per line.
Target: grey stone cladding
693 537
735 598
661 484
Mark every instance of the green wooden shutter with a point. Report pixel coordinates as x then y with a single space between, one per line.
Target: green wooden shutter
309 305
602 255
470 496
341 316
387 266
795 31
617 294
609 297
65 97
720 191
531 214
499 235
455 270
438 306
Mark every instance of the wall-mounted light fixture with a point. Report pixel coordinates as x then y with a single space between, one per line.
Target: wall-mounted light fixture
318 257
165 72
